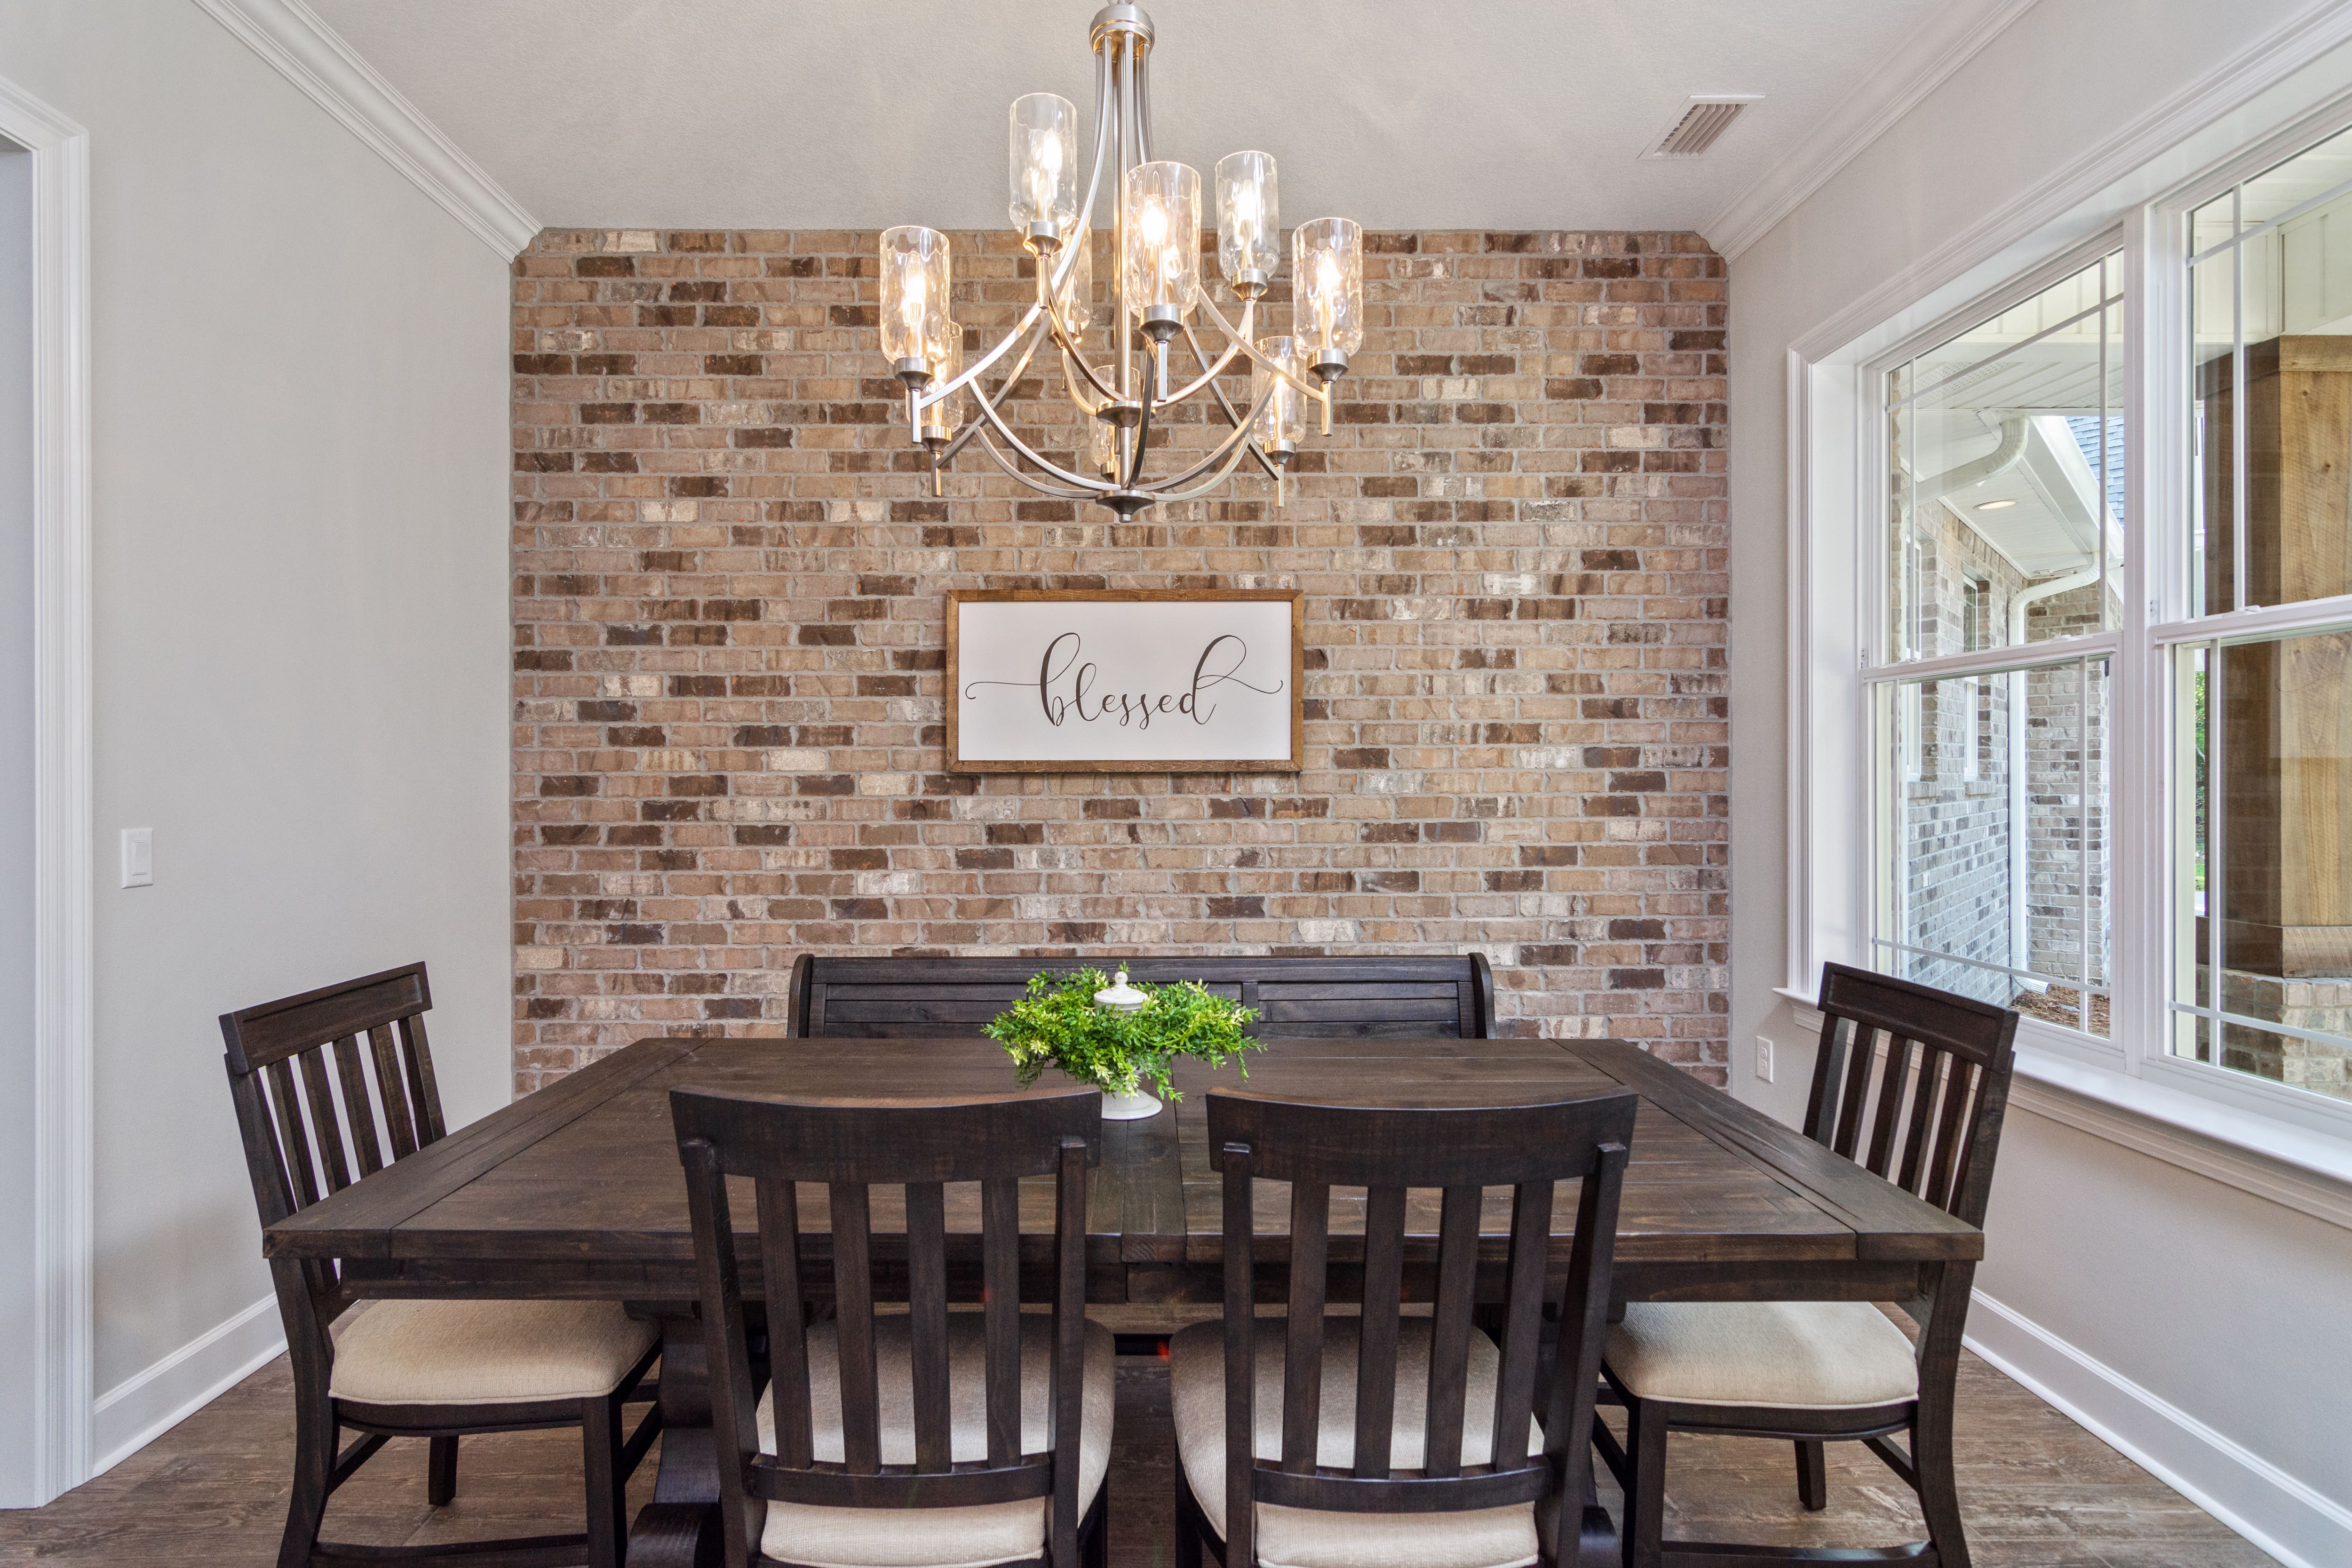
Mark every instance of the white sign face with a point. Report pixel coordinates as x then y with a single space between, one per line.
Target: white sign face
1122 682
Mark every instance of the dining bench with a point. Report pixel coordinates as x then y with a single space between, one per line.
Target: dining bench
1399 995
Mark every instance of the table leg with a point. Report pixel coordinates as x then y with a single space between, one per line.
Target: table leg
679 1529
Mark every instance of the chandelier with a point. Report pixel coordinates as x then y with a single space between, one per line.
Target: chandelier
1155 294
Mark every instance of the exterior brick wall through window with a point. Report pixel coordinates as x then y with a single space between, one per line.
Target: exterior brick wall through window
730 577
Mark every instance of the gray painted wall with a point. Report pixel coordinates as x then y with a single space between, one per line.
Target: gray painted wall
299 413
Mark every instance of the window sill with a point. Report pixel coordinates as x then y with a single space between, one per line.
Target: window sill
2304 1170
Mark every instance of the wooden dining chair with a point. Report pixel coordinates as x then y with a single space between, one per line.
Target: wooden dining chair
1332 1441
1910 1082
915 1437
333 1086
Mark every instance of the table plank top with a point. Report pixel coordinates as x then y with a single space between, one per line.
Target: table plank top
585 1173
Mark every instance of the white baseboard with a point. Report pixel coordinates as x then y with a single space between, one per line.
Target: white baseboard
2282 1515
142 1407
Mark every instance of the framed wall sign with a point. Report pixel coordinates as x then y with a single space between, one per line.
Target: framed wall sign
1126 681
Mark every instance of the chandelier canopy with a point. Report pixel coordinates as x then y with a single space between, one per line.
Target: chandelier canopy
1155 293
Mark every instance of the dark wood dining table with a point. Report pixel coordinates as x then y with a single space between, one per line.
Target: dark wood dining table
576 1191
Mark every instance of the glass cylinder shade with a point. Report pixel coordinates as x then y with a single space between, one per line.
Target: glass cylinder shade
1162 266
1102 447
1326 286
1249 233
1045 161
945 418
1075 300
1283 418
914 293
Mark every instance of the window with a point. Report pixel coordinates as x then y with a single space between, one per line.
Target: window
2075 659
2004 455
2261 650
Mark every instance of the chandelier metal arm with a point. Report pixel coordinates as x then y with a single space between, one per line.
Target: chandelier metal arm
1003 389
1240 339
932 397
1029 481
1081 234
1209 374
1142 427
1224 403
988 411
1242 436
1226 471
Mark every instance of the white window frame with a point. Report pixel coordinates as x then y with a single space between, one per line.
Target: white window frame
1838 539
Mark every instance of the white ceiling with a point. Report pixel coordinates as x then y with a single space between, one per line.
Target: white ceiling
1401 113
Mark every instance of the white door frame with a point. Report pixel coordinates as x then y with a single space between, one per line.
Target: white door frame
64 855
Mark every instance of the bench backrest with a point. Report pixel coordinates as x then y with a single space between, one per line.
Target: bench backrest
1402 997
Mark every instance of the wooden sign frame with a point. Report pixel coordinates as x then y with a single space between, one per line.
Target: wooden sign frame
1294 762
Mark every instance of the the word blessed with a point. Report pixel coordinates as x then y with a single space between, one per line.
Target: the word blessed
1066 682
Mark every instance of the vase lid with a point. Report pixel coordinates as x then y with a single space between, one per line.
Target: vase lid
1119 997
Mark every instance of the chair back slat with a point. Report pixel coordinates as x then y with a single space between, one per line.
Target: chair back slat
1926 1109
1523 1287
325 1125
852 1147
927 1304
1894 1081
1000 1220
1449 1348
780 1276
424 1093
1302 1374
853 1298
1394 1154
352 1075
293 1137
392 1084
1376 1346
1857 1088
1934 1069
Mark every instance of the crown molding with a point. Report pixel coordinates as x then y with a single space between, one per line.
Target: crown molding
1886 95
307 52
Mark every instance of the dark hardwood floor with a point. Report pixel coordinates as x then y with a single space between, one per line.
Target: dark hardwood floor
2038 1491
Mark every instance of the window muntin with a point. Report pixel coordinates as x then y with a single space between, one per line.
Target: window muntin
2270 308
2005 467
2262 859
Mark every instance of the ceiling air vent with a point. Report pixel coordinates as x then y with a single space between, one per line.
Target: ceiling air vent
1704 117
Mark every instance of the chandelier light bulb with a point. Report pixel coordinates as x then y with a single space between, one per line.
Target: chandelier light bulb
1249 233
914 295
942 419
1044 166
1282 422
1161 277
1327 282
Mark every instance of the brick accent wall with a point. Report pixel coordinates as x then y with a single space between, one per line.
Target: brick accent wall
728 587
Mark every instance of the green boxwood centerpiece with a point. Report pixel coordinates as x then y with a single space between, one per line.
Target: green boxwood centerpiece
1059 1025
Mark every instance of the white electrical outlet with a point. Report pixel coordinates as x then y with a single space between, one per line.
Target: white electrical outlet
1763 1059
138 856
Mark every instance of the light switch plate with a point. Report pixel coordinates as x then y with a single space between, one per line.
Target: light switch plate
1763 1059
138 856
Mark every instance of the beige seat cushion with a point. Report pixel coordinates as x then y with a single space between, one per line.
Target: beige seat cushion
1813 1354
485 1352
939 1537
1318 1538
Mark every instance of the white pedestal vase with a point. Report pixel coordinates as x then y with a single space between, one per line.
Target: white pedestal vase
1129 1107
